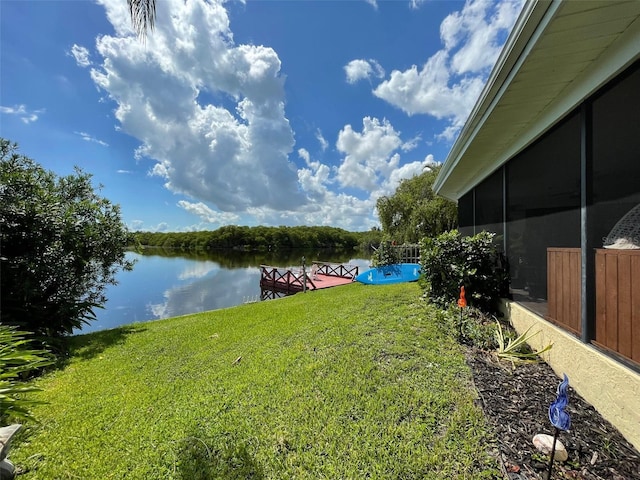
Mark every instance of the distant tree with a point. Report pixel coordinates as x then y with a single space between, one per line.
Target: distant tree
253 238
414 211
60 245
371 239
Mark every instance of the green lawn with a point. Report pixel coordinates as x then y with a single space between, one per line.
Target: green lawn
346 383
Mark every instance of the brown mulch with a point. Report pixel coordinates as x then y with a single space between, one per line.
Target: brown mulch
516 402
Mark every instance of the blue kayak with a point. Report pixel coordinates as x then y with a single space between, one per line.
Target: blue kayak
397 273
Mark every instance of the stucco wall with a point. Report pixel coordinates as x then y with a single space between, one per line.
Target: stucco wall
613 389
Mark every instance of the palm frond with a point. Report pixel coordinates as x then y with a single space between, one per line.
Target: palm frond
513 349
143 16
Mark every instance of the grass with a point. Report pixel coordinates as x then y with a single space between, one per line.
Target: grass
345 383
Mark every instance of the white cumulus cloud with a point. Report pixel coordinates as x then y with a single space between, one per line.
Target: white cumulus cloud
208 214
375 150
81 55
368 154
314 180
450 81
210 115
477 32
231 158
363 69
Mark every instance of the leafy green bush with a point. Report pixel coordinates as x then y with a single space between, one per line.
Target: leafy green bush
386 254
61 245
450 261
16 359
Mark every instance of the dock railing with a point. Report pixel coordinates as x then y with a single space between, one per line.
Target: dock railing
285 279
289 280
336 269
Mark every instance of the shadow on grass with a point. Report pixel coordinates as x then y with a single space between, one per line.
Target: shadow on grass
93 344
198 460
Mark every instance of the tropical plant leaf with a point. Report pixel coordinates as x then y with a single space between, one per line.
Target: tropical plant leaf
514 349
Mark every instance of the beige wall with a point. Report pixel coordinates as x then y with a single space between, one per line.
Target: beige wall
613 389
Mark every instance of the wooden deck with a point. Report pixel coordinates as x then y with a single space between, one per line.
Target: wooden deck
289 281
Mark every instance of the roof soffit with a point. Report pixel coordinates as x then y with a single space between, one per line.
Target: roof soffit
573 49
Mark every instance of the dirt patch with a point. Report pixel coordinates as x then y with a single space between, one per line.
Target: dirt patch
516 401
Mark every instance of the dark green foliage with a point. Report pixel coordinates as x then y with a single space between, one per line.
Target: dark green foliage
450 261
61 244
17 359
385 254
258 238
368 241
414 211
471 326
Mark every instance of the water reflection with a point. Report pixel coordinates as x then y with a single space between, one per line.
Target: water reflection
218 288
164 284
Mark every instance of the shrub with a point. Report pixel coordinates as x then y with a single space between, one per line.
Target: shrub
450 261
61 244
386 254
16 360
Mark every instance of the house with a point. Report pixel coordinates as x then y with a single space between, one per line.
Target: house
549 160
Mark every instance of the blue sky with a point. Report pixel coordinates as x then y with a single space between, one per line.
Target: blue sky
247 113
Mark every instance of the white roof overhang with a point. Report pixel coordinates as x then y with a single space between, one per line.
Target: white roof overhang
558 54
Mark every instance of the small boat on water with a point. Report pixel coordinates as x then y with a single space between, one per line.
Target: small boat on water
396 273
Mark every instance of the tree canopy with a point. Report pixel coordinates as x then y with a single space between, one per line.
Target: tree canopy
414 211
260 238
60 245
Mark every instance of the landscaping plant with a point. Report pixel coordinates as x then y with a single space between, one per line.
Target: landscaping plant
17 359
385 254
451 260
61 243
473 327
517 349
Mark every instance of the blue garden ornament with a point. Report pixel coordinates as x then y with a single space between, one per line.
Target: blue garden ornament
557 415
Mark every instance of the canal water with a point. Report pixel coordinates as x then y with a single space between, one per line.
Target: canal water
165 285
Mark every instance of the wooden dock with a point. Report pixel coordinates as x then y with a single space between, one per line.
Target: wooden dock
316 276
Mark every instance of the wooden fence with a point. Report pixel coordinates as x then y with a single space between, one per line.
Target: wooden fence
618 301
617 297
563 288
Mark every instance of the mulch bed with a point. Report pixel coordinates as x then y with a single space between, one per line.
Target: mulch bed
516 402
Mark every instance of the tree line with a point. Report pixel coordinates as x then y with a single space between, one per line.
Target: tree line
260 238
